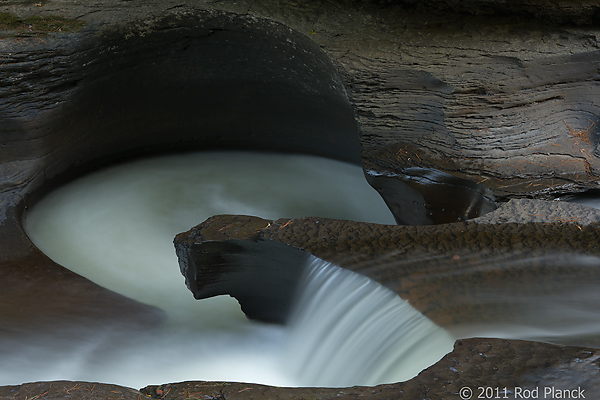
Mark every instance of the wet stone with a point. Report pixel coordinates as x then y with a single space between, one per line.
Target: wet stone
521 124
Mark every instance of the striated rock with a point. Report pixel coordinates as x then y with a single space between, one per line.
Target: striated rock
188 79
474 272
497 97
504 100
117 87
463 94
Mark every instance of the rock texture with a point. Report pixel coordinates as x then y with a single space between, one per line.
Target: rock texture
499 95
78 93
503 99
471 273
250 271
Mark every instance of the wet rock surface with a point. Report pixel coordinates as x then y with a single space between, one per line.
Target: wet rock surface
507 102
447 272
413 196
249 271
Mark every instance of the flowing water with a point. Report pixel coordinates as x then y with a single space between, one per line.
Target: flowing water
118 224
519 290
344 330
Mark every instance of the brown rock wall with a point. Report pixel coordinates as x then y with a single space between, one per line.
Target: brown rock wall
503 93
449 272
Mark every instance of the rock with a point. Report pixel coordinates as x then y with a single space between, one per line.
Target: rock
68 390
250 271
77 96
499 94
424 196
443 271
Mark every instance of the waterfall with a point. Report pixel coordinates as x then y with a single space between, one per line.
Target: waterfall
116 228
346 328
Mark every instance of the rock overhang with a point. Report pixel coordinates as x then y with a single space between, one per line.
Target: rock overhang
36 160
181 81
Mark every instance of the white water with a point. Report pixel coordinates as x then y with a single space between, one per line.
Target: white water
347 328
116 227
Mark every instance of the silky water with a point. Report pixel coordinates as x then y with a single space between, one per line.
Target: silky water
116 228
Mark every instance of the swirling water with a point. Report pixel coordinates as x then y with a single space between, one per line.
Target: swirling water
118 224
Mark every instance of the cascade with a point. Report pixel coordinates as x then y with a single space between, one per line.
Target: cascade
346 328
116 227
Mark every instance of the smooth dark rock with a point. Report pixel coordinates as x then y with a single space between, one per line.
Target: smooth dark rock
262 276
443 271
418 193
502 94
423 196
185 80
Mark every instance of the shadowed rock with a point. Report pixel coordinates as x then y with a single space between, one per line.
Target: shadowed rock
423 196
503 268
75 101
480 90
262 275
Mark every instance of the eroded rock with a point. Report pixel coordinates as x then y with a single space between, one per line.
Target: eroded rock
262 276
443 271
507 102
